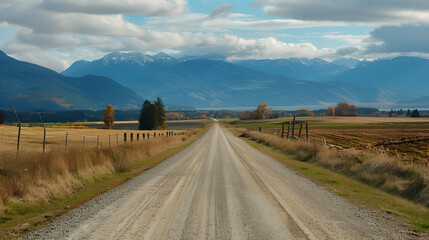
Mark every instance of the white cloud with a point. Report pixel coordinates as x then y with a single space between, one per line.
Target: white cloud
221 11
55 33
358 11
30 15
200 22
263 48
146 7
35 55
232 46
351 39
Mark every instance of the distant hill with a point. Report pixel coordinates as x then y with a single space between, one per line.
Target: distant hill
405 75
211 82
420 102
28 86
315 69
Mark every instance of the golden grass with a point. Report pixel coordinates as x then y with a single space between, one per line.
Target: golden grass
32 137
32 175
358 193
19 216
375 169
349 120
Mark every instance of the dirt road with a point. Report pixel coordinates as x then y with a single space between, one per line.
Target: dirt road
221 188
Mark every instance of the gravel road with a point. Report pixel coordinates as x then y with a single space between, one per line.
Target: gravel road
221 188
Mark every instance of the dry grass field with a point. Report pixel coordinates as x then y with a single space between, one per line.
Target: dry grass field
171 125
32 174
32 137
388 153
407 138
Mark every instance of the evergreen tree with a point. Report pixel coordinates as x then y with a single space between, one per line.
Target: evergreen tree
415 113
109 117
1 117
147 119
160 114
408 113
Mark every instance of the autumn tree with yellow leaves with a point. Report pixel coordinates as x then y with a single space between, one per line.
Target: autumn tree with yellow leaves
109 117
262 111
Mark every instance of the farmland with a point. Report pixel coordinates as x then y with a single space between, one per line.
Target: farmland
32 137
404 137
88 166
130 125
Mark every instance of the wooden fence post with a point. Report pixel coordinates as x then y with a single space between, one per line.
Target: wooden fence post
288 129
300 129
19 130
283 129
44 133
293 127
131 137
125 137
138 136
67 136
260 129
306 130
143 136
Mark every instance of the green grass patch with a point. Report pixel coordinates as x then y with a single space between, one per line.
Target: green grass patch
358 193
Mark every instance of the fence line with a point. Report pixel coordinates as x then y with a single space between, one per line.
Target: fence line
29 138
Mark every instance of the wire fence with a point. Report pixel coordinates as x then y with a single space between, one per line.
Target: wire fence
33 139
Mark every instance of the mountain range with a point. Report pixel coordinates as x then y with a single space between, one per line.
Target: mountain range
212 81
315 69
28 86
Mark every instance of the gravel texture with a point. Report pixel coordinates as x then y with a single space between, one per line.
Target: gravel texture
221 188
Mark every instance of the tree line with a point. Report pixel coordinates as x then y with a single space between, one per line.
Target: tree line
1 117
152 115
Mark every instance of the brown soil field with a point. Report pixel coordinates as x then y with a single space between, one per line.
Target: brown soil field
410 144
407 138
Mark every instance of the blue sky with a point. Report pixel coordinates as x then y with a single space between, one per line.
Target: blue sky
55 33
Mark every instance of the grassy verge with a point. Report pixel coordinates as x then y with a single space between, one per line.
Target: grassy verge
358 193
23 217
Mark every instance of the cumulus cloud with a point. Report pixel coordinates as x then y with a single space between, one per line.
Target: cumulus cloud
400 39
347 51
351 39
200 22
221 11
55 33
261 48
34 55
147 7
235 47
361 11
30 15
